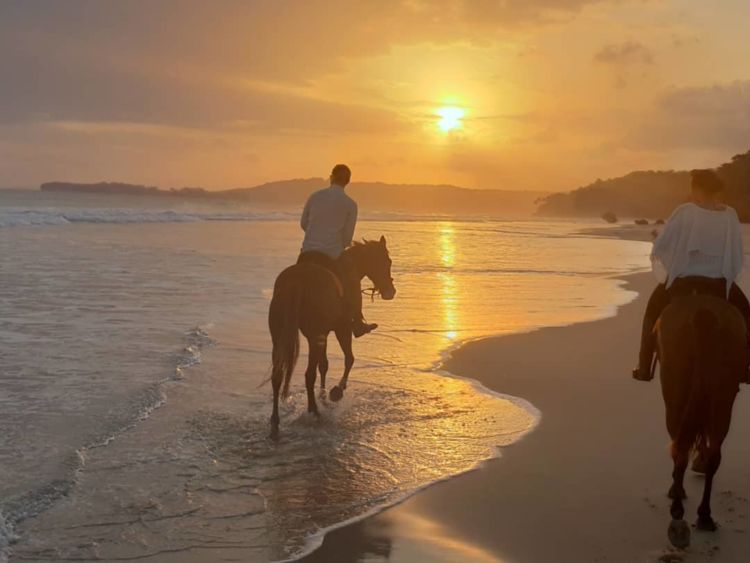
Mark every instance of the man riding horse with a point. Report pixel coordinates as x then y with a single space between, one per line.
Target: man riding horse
321 293
329 219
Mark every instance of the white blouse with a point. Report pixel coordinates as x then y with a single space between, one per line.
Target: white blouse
699 242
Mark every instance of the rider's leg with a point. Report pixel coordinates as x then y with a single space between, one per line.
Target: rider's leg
657 302
738 298
353 298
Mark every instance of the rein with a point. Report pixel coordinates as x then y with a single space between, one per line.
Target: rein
372 292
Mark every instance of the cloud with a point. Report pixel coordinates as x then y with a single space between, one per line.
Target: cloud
711 117
625 60
623 54
192 63
189 87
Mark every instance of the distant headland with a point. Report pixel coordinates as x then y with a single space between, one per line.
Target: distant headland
641 194
372 196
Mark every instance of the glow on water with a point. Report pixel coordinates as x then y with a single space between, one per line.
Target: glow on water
200 469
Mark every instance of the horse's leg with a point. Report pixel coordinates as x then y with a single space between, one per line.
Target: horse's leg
323 365
276 379
721 418
713 460
680 457
701 455
679 532
344 336
313 358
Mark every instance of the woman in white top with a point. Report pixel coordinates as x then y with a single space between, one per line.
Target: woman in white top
699 248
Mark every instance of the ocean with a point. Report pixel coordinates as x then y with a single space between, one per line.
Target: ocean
134 350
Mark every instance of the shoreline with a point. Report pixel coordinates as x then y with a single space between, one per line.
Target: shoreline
440 368
502 509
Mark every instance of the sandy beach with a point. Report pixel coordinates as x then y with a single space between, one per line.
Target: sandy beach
588 485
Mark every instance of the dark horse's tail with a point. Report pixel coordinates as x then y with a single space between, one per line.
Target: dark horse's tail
284 324
705 329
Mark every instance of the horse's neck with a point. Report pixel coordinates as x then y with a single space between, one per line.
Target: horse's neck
356 257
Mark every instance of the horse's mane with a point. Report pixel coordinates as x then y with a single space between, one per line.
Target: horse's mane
363 242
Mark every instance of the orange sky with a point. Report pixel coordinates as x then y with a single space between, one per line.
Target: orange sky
555 93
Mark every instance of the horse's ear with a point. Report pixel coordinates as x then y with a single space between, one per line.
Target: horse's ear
382 240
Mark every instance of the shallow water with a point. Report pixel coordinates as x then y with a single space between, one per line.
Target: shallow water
132 355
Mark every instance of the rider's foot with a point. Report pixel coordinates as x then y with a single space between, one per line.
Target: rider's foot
642 375
360 328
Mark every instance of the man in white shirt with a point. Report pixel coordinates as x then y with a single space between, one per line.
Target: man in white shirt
329 219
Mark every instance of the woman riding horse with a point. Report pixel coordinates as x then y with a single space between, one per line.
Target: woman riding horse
701 243
700 319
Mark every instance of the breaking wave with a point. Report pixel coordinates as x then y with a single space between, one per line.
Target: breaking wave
25 218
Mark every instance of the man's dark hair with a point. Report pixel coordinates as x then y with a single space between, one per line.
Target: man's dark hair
706 180
342 173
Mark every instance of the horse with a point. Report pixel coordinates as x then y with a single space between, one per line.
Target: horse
702 349
308 297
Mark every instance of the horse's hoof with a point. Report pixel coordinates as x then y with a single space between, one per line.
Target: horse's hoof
706 523
274 435
336 394
679 534
676 493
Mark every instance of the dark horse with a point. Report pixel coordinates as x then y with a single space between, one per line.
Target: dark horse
702 347
308 298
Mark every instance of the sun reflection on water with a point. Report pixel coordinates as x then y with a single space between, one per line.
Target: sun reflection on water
448 286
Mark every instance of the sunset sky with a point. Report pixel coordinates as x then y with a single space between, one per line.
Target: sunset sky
514 94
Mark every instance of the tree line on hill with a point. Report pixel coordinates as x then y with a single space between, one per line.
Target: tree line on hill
648 194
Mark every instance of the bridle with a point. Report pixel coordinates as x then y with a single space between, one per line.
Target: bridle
375 289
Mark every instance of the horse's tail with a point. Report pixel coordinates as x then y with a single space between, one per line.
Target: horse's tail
705 343
284 321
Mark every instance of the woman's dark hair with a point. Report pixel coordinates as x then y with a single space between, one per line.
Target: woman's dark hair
706 180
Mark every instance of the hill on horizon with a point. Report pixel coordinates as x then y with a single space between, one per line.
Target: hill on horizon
648 194
371 196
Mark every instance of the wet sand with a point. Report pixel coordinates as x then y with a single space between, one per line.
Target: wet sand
588 485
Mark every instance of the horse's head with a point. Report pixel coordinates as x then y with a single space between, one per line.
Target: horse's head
374 262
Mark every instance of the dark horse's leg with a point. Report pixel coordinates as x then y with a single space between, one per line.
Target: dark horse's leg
680 456
713 460
344 336
701 455
323 365
721 415
276 379
315 346
679 532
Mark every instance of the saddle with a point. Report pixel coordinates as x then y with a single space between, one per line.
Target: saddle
324 261
697 285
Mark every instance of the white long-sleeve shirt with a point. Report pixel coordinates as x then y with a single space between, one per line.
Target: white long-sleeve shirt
328 220
699 242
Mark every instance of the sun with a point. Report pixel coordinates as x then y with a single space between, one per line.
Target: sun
450 118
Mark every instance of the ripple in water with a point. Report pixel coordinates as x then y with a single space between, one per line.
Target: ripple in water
200 474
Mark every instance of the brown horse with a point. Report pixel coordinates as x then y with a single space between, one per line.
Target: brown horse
308 298
702 347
